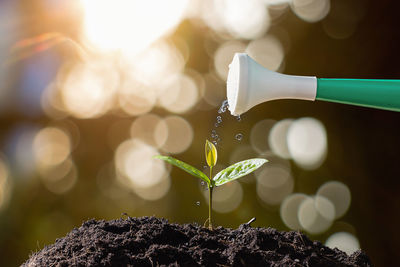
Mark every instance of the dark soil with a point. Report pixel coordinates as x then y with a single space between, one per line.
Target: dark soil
149 241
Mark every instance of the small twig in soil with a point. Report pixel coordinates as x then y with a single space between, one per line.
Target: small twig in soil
151 261
205 223
299 234
251 221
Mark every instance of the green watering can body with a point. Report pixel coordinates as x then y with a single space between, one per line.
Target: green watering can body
381 94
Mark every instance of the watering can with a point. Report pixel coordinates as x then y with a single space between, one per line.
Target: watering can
250 84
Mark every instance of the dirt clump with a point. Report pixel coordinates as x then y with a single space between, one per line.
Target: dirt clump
149 241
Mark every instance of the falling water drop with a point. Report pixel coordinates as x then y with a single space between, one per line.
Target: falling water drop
224 107
198 203
217 137
239 137
214 134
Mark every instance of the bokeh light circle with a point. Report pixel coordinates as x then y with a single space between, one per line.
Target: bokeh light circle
61 178
344 241
136 166
215 91
179 95
155 192
311 10
290 208
274 183
277 139
151 129
136 98
88 88
180 135
267 51
339 194
316 214
51 146
52 103
259 135
307 142
247 19
224 55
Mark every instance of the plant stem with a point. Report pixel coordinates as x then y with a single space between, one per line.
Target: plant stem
210 189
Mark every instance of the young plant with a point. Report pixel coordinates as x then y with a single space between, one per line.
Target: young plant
227 175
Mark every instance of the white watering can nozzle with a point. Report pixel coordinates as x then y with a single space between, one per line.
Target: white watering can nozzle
250 84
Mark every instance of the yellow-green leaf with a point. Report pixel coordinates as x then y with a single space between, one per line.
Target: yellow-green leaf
184 166
238 170
211 154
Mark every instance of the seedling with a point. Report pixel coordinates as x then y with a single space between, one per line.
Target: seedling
227 175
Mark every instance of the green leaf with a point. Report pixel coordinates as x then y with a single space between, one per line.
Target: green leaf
238 170
184 166
211 154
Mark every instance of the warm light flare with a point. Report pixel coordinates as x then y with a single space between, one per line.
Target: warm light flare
129 25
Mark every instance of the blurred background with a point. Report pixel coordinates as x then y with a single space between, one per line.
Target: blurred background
90 90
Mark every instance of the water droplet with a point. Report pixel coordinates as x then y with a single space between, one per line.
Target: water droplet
203 183
224 107
198 203
216 125
215 142
239 136
216 136
238 118
219 119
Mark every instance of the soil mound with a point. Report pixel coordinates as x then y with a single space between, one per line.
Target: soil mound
149 241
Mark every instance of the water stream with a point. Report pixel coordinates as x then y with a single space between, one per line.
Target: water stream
215 137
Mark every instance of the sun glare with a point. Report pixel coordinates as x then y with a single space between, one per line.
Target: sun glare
129 25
